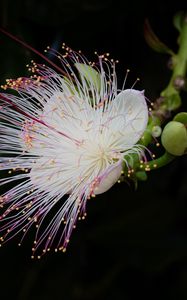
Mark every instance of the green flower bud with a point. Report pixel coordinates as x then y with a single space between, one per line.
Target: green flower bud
174 138
181 117
156 131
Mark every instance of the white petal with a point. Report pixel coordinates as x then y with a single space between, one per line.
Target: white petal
109 179
130 116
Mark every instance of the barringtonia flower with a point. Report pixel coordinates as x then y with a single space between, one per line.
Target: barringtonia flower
63 139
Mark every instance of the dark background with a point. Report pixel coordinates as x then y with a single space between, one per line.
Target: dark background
133 243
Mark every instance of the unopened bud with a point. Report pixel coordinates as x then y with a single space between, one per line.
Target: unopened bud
174 138
156 131
181 117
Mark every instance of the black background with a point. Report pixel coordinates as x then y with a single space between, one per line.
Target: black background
133 243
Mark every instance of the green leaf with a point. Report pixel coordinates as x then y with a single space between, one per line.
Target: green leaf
178 20
90 75
153 41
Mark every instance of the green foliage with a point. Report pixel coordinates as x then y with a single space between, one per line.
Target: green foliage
153 41
178 20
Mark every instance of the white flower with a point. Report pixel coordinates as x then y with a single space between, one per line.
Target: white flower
63 139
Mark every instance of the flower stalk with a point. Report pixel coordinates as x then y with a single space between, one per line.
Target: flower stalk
168 101
154 164
171 92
